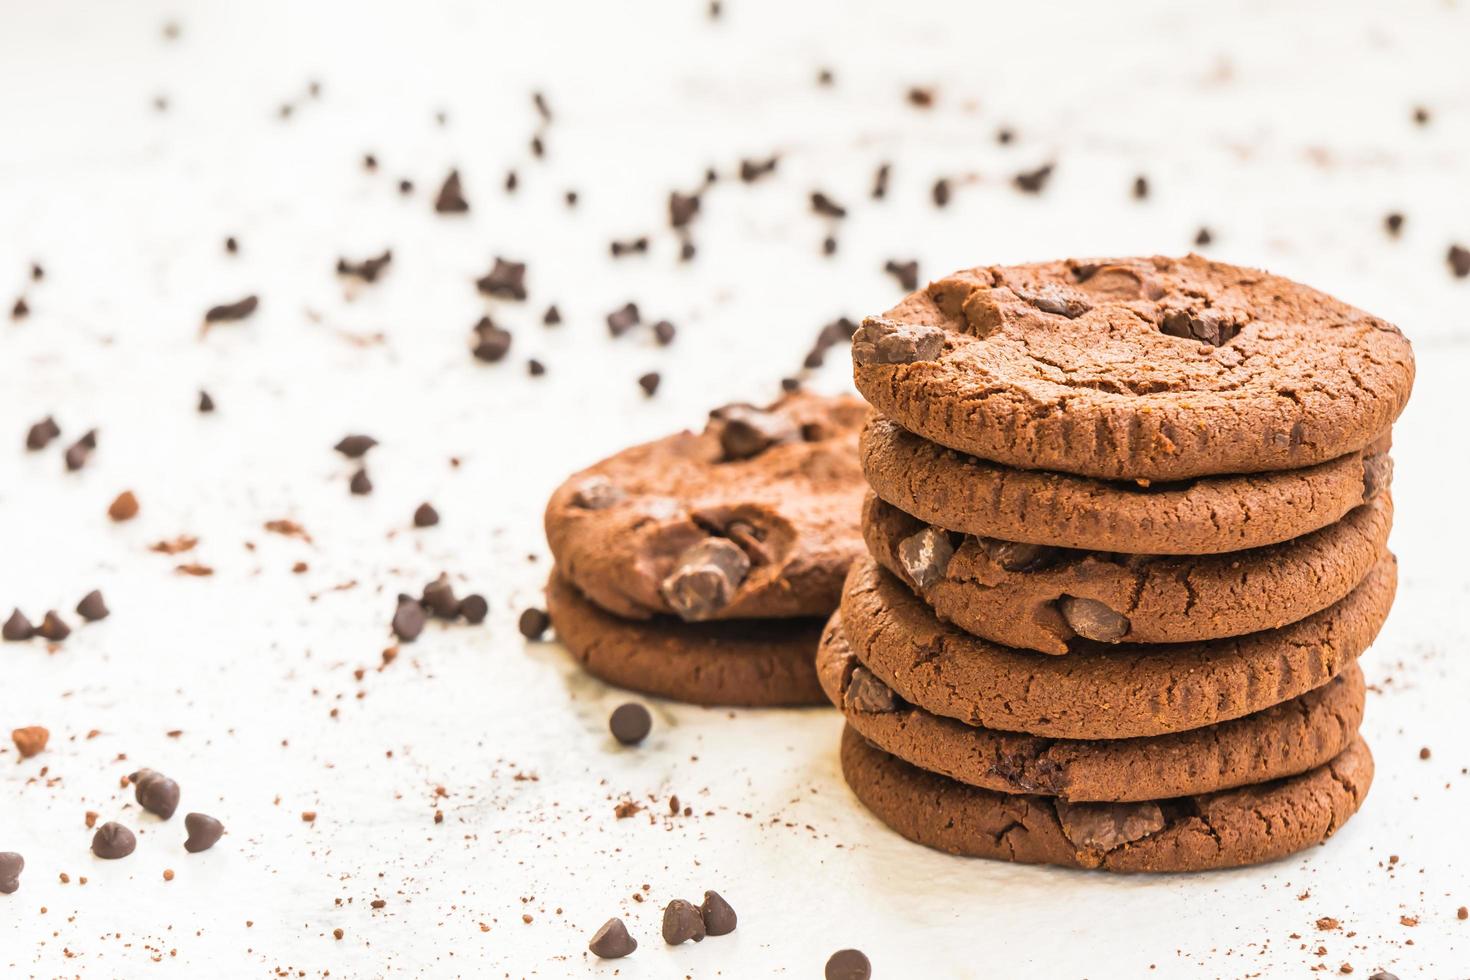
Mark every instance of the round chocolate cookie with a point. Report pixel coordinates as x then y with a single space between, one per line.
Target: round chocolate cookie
1041 598
1135 368
759 663
1279 741
754 518
1247 825
1101 691
1197 517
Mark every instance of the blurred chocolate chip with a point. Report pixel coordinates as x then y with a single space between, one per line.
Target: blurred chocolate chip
474 608
512 181
367 270
439 597
113 841
124 507
825 77
907 273
630 723
940 192
682 922
232 245
369 162
451 199
745 431
848 964
686 250
533 623
1104 826
79 452
1034 181
1203 237
355 446
1459 259
926 555
17 627
705 578
551 317
1017 556
53 628
361 484
1394 223
632 246
206 403
543 108
883 341
867 694
663 333
825 206
623 319
155 792
612 941
39 435
425 515
880 181
719 918
829 245
92 607
596 493
1093 620
11 865
505 279
1377 474
1140 187
405 186
1421 115
409 619
649 382
230 312
37 273
21 309
204 832
753 170
571 198
490 341
682 208
1210 326
921 97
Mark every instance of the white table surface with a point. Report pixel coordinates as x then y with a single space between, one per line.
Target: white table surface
1285 127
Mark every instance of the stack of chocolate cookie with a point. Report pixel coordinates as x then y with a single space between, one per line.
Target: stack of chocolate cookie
1127 537
701 566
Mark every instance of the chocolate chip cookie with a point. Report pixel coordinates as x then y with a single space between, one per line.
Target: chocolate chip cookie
1194 517
753 518
758 663
1249 825
1042 598
1273 743
1135 368
1101 691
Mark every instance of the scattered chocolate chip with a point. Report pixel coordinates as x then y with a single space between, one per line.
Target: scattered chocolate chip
512 181
848 964
745 431
682 922
474 608
37 273
596 493
623 319
825 77
92 607
867 694
925 555
206 403
1459 260
538 148
505 279
907 273
829 245
355 446
1393 222
1104 826
1421 115
719 918
53 628
451 199
612 941
21 309
753 170
1093 620
1203 237
409 619
204 832
232 245
571 198
664 332
491 343
155 792
533 623
630 723
369 162
405 186
1034 181
825 206
1017 556
1140 187
551 317
30 741
79 452
11 865
705 578
921 97
686 250
940 192
39 435
683 208
883 341
113 841
1424 753
367 270
124 507
880 181
361 484
649 382
632 246
230 312
17 627
425 515
439 598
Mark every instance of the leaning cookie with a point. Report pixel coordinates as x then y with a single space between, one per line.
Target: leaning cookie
753 518
1249 825
1041 598
758 663
1279 741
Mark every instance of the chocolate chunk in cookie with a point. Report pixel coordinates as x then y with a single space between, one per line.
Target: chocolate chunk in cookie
705 578
883 341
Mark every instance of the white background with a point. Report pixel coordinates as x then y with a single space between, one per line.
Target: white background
1286 127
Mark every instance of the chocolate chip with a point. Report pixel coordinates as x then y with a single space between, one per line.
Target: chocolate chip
52 628
825 206
907 273
829 245
867 694
884 341
596 493
1140 187
113 841
682 922
20 310
926 555
623 319
1377 474
367 270
753 170
405 186
17 627
719 918
474 608
538 149
355 446
451 199
232 245
825 77
206 403
361 484
630 723
1017 556
1203 237
1104 826
490 342
612 941
92 607
705 578
1055 299
39 435
1093 620
682 208
124 507
505 279
155 792
11 865
1034 181
31 740
663 333
512 181
552 316
880 181
533 623
923 98
439 598
745 432
230 312
204 832
79 452
425 516
1459 260
686 250
1209 326
1393 222
369 162
649 382
37 273
848 964
571 198
408 619
1421 115
629 247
